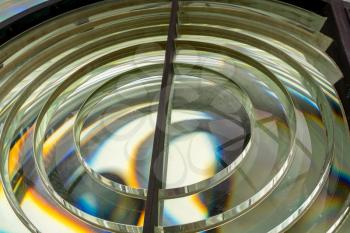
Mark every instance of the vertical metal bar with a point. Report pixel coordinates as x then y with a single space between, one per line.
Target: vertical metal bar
159 145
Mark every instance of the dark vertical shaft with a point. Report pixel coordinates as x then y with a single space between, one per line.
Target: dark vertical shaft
159 145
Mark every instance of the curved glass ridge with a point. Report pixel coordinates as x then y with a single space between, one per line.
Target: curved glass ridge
255 141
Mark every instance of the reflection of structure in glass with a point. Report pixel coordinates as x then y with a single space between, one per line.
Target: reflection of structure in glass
255 138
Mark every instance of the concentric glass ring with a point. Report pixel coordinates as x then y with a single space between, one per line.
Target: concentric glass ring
255 140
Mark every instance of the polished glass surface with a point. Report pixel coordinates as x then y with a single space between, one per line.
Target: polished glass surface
256 139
